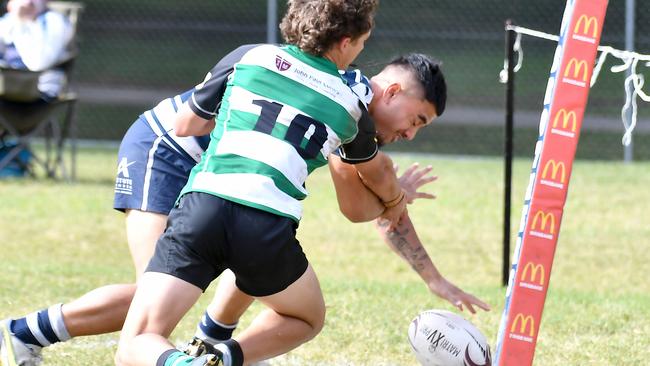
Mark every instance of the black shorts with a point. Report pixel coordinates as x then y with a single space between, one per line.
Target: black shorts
206 234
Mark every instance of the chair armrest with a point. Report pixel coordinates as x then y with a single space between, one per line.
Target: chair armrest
19 85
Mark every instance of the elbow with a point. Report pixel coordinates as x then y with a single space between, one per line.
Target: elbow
181 131
354 217
354 214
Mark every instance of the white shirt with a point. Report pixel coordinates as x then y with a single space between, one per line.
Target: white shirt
41 44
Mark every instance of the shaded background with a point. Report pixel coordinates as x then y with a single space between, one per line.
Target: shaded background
135 53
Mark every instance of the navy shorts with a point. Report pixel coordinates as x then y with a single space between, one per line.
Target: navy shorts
150 173
206 234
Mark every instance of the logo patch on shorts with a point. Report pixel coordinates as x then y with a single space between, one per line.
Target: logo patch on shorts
124 184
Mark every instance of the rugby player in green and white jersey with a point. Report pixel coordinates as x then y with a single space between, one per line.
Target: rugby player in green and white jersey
403 98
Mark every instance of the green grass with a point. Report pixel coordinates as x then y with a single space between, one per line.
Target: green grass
60 240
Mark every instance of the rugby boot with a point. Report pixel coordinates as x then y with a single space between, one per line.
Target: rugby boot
208 360
13 352
197 347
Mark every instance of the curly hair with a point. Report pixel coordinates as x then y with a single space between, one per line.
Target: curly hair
316 25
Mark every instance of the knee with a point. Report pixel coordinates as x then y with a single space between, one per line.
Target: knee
125 296
122 354
317 322
119 358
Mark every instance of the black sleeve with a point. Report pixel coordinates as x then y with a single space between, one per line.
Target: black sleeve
206 98
364 146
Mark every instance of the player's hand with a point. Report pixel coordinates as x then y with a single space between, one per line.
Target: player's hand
457 297
395 214
413 179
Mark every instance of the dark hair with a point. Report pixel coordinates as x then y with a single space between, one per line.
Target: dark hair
316 25
428 73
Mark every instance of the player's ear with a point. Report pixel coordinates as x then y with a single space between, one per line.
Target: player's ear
344 43
392 90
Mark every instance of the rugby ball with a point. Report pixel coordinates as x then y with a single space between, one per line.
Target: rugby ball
443 338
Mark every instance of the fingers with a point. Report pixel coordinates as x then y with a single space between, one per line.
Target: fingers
425 195
481 304
423 181
470 301
411 169
422 172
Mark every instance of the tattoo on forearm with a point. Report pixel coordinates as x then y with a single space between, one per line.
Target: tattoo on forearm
412 252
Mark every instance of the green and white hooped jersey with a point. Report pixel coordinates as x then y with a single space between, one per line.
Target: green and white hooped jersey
282 114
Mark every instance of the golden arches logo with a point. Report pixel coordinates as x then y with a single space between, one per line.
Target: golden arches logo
534 269
577 66
587 22
566 118
524 322
544 218
556 168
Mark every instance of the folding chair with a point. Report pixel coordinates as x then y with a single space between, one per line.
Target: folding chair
24 116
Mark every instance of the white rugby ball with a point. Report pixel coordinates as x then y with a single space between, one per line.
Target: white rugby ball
442 338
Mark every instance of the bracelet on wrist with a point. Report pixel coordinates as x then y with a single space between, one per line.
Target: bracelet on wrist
394 202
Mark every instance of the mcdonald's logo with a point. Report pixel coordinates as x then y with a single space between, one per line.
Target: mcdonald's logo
520 324
566 118
529 276
579 75
583 26
539 226
557 174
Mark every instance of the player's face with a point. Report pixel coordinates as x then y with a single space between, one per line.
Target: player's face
401 116
26 8
353 48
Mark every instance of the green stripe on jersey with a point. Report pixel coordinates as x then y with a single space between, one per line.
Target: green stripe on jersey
230 163
269 84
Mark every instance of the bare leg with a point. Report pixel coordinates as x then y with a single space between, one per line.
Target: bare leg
159 304
229 302
142 232
103 310
295 316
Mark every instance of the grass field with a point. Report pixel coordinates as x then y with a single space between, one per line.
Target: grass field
60 240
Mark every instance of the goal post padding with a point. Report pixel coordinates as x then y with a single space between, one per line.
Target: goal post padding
564 105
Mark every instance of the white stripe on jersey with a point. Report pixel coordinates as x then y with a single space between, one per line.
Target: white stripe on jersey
166 116
253 188
326 84
284 158
242 100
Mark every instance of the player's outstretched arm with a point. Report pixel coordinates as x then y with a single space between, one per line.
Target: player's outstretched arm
404 241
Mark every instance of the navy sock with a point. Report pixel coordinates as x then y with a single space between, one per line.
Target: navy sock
41 328
214 331
232 353
20 329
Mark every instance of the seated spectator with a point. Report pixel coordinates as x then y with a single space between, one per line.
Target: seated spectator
35 38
